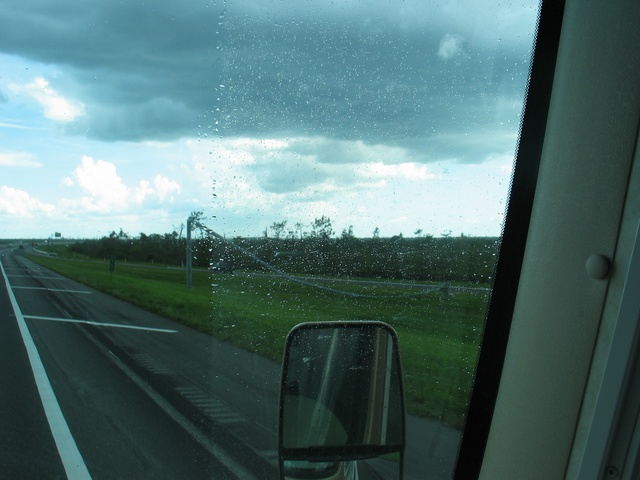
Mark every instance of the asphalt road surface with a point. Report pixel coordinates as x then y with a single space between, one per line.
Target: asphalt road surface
96 388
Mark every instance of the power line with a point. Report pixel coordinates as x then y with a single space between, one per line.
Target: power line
444 288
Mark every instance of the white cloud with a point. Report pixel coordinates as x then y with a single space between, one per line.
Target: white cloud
165 187
67 182
19 202
503 163
262 172
405 171
15 126
106 192
55 106
450 46
105 189
143 190
162 190
301 178
18 159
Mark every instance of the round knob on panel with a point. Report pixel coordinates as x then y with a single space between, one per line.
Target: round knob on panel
598 267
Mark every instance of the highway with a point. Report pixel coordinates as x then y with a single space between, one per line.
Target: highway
96 388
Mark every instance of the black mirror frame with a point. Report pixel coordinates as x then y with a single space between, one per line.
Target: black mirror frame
334 453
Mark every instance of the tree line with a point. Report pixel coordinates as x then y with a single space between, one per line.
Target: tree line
448 259
317 251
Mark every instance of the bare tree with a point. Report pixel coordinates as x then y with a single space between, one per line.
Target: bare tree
278 228
321 228
347 233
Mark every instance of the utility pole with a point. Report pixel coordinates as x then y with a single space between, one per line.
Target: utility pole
194 220
189 252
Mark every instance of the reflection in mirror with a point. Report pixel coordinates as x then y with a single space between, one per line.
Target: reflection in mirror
341 402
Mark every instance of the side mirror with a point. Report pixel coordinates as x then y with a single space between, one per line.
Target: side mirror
341 402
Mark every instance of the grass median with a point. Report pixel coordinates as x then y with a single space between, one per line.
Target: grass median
438 333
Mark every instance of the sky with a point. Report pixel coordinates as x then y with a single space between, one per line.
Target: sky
400 116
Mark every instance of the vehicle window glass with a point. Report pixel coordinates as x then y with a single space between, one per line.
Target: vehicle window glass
268 163
385 136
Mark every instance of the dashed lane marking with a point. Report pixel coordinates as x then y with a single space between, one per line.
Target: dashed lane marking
38 277
52 289
102 324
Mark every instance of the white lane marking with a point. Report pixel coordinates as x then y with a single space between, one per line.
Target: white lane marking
52 289
37 277
72 460
101 324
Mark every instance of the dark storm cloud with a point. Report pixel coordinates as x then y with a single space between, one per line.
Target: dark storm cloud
353 80
167 69
289 174
144 71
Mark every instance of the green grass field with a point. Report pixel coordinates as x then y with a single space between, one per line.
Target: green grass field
438 334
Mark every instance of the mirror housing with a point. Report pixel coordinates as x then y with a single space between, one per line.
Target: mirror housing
341 400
